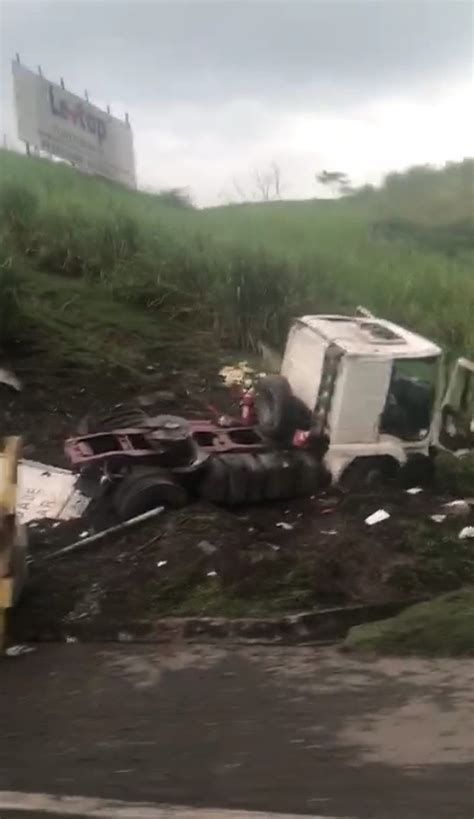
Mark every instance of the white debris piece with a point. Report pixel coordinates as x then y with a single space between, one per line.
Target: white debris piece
414 490
71 639
9 379
206 547
377 517
467 532
212 573
240 373
18 650
285 526
161 563
328 532
438 518
458 507
47 492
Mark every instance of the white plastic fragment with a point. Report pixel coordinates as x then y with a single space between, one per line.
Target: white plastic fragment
71 639
467 532
47 492
438 518
414 490
18 650
161 563
10 379
377 517
329 531
285 526
212 573
458 507
206 547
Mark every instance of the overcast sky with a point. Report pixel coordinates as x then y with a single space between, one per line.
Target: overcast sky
217 90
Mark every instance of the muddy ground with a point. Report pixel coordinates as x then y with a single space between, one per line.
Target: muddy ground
209 561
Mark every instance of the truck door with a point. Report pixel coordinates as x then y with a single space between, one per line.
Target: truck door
456 421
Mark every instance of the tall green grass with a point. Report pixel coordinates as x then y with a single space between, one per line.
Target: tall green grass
245 270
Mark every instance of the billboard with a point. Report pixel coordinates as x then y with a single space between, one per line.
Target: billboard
62 124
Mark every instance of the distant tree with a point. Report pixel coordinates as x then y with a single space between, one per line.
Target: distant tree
337 181
177 197
267 183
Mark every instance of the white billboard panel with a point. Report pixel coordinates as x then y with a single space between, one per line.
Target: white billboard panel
62 124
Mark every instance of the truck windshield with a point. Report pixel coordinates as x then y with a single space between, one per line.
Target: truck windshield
411 397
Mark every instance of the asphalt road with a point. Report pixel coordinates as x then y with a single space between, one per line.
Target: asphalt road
286 730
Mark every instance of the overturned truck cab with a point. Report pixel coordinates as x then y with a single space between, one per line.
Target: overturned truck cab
374 391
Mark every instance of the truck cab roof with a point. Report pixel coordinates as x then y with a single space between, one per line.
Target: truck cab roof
361 336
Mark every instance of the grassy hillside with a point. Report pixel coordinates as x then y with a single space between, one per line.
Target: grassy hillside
405 251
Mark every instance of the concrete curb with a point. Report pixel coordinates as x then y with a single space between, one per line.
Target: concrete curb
323 625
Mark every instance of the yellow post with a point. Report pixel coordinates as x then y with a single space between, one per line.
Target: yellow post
8 526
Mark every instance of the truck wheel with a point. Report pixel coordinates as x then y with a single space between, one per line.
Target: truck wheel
214 484
368 473
419 470
145 488
275 407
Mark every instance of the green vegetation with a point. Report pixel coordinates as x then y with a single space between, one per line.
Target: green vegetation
240 271
441 627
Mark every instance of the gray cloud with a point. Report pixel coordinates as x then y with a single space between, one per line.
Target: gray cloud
218 50
223 76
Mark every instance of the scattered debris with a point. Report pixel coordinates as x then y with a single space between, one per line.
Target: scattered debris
458 507
285 526
10 379
71 639
377 517
329 531
18 650
212 573
47 492
414 490
206 547
438 518
161 563
240 373
84 533
124 637
467 532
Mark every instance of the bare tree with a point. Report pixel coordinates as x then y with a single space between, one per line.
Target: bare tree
242 195
268 183
276 179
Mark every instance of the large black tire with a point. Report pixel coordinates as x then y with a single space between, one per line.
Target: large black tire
308 473
419 470
237 479
369 473
146 488
214 484
276 408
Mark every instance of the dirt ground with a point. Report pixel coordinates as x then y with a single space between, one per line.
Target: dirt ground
209 561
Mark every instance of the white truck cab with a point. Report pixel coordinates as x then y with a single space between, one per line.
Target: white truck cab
374 388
